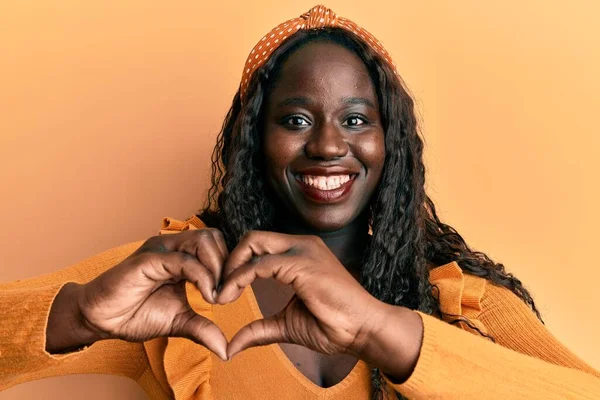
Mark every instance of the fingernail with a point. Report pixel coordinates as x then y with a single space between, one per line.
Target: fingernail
214 295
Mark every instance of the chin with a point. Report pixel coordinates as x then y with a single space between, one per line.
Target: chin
327 223
328 226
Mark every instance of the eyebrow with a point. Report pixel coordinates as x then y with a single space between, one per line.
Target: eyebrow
359 101
303 101
294 101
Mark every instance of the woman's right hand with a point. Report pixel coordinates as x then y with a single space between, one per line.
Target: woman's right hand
144 296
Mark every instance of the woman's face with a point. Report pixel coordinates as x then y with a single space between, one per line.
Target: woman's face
323 140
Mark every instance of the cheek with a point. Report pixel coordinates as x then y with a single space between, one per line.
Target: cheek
279 151
371 152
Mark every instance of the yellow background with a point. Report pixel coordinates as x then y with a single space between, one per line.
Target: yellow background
109 111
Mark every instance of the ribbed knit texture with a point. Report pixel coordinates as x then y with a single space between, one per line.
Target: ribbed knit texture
24 309
457 364
526 362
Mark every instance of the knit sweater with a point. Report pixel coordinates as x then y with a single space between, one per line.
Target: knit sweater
525 362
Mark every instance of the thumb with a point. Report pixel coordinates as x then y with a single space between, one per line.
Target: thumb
202 331
258 333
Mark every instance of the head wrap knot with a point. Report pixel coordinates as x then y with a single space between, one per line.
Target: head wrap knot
318 17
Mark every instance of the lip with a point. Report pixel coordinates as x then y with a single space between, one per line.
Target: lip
326 196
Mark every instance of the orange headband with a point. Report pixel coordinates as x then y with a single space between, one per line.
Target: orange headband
316 18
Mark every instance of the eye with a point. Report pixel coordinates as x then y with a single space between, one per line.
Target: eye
296 121
354 120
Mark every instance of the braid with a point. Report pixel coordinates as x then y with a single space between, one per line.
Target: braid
408 237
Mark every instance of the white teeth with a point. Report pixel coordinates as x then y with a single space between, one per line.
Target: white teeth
325 182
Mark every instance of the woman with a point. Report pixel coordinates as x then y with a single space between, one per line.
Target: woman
318 238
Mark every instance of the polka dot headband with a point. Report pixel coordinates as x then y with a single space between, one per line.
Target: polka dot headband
317 17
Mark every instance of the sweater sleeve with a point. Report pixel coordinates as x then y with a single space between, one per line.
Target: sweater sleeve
512 324
24 310
525 362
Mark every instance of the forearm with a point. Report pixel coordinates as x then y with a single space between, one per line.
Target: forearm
394 344
66 330
24 316
458 364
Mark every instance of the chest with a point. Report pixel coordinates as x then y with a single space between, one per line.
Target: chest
321 369
279 371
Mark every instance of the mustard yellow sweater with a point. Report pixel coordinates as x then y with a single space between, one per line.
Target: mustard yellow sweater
526 362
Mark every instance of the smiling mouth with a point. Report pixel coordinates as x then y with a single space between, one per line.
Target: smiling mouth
326 189
331 182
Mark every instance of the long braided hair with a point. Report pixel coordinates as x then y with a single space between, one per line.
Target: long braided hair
408 237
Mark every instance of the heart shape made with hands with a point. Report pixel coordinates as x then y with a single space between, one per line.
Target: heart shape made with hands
330 313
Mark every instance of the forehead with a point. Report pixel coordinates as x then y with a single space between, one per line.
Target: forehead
324 69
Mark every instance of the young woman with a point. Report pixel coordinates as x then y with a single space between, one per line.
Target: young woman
319 240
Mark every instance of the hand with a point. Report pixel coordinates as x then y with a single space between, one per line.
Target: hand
331 312
144 296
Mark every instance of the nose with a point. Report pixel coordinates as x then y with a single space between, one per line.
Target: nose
326 142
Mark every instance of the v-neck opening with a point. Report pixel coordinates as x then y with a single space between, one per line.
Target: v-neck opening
295 372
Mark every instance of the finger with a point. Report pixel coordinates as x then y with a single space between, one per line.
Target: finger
220 239
175 266
258 333
202 245
222 246
282 268
202 331
257 243
175 242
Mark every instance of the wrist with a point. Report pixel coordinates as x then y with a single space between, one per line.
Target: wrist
66 329
393 341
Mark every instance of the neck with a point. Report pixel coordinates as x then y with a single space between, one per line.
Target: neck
348 243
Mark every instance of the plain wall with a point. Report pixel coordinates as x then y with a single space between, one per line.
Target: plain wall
109 111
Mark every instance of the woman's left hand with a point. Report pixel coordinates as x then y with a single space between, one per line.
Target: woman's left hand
331 312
